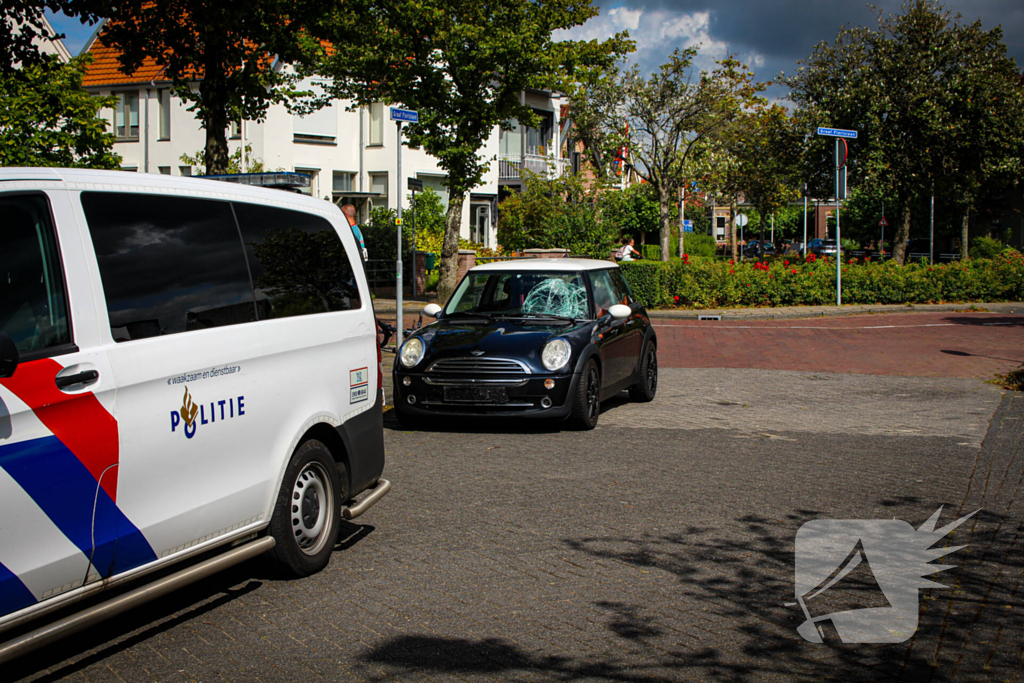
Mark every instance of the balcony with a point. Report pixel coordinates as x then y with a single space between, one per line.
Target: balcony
510 166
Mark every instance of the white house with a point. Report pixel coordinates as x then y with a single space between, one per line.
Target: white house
349 154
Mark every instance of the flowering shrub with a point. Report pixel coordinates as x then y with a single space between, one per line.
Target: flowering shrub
707 283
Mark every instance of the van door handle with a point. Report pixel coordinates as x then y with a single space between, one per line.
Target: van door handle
84 377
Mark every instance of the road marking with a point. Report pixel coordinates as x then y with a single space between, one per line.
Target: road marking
809 327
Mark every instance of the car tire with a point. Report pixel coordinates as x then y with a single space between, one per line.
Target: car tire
644 390
586 404
307 514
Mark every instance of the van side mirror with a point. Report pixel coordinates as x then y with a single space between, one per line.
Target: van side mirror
620 311
8 355
432 310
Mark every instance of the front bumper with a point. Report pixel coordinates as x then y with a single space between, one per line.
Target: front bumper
524 396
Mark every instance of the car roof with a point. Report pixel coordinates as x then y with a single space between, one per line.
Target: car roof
547 264
94 179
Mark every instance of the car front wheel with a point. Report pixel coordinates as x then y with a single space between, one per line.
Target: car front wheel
644 390
305 519
586 405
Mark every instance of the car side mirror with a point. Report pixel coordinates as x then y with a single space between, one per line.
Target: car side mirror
433 310
8 355
620 311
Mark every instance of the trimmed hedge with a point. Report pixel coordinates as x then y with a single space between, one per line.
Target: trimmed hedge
707 283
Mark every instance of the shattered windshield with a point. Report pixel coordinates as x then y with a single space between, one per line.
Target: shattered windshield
530 293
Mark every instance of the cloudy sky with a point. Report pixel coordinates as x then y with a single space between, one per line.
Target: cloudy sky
769 35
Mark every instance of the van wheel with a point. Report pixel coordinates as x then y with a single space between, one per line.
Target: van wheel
644 390
586 404
305 519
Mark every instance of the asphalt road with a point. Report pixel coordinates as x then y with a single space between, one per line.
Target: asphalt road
659 546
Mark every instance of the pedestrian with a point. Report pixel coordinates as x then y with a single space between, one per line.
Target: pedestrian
350 213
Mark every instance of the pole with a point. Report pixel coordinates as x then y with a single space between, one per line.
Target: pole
682 219
804 252
773 227
881 243
414 271
398 263
931 234
839 244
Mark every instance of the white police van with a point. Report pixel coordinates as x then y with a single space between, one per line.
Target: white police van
186 366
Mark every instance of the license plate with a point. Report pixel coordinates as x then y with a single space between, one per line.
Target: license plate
475 395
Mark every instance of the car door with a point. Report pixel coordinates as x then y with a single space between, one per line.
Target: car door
612 341
635 326
58 433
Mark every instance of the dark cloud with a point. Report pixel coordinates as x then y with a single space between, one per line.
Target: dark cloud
785 31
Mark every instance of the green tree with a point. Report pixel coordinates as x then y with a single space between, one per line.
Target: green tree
47 119
633 211
252 164
562 213
666 121
233 48
463 64
23 26
767 148
937 101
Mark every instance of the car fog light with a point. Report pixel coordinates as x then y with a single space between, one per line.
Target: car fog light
407 381
549 384
411 399
545 402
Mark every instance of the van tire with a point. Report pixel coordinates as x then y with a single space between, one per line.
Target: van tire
307 514
586 404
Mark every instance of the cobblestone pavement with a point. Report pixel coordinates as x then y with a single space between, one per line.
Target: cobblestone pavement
659 546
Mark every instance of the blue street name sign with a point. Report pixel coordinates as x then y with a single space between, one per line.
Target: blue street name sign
404 115
832 132
687 225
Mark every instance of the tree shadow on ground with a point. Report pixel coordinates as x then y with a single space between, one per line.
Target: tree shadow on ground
742 583
988 320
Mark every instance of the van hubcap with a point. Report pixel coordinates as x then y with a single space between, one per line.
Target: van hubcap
312 502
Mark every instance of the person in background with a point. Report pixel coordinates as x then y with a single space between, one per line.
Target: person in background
625 253
350 213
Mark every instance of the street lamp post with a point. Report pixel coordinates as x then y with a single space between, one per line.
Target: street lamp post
399 116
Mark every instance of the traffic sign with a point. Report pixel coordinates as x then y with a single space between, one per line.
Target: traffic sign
404 115
837 132
741 219
883 223
687 225
842 153
415 184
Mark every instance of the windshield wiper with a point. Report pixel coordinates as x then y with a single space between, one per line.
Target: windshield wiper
541 316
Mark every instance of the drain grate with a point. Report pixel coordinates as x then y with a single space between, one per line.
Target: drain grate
709 317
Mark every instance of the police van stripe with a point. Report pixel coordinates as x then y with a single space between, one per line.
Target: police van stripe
66 491
14 595
79 420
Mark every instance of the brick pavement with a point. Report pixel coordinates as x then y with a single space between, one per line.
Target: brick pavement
918 344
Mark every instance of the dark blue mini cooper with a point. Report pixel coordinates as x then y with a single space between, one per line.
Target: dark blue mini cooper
537 338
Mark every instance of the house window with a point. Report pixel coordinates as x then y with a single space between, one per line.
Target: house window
126 116
720 226
235 129
377 123
185 170
510 141
164 170
379 183
320 126
342 181
164 97
313 173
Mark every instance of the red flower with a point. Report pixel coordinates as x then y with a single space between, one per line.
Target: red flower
677 298
930 269
785 263
732 262
794 271
733 272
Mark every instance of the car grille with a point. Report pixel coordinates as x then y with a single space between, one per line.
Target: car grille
479 366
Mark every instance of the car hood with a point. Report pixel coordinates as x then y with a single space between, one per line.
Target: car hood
496 339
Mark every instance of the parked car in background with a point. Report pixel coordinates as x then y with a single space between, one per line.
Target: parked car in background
822 247
759 248
794 248
543 338
189 373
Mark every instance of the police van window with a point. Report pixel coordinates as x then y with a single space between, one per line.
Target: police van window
168 264
33 304
298 262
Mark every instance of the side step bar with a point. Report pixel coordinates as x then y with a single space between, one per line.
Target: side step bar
122 603
372 497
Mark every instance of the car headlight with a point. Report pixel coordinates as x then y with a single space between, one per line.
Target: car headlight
555 354
412 352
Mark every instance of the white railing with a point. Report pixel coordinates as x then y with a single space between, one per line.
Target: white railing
510 165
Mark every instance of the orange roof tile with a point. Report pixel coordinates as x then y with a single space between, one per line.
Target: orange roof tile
105 69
